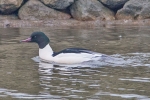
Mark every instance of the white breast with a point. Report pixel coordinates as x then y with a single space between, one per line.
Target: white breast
46 53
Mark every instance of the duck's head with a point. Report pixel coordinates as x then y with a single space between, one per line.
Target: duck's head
38 37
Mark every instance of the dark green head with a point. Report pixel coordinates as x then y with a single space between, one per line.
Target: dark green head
38 37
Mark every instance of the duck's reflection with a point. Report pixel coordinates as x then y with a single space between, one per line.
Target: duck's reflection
77 80
68 80
62 79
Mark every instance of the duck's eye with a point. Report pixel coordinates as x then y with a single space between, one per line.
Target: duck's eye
34 37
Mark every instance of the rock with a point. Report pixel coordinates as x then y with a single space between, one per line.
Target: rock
57 4
114 4
35 10
135 9
87 10
9 6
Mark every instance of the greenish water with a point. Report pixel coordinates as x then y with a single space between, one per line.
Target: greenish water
23 78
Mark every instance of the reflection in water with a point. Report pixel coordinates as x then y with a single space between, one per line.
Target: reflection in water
126 96
16 94
124 76
66 83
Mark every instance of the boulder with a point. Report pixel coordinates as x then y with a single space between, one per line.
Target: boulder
35 10
87 10
135 9
114 4
9 6
57 4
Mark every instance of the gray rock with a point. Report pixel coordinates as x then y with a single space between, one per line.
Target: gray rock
114 4
58 4
135 9
90 10
9 6
35 10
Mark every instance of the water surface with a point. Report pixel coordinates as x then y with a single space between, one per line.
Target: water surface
23 78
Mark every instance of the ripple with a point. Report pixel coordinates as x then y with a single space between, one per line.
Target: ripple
16 94
135 79
126 96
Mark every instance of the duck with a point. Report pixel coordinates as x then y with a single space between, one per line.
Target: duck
66 56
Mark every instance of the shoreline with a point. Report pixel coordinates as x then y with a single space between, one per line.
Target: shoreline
71 23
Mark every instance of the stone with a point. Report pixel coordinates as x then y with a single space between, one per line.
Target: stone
9 6
58 4
35 10
134 9
114 4
87 10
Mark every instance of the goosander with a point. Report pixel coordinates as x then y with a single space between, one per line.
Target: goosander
66 56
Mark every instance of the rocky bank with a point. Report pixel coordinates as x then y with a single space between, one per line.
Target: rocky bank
28 13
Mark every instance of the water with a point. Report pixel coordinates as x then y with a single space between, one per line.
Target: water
23 78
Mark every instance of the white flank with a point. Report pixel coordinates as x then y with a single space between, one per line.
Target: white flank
67 58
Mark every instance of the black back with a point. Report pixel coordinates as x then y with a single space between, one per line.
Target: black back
73 50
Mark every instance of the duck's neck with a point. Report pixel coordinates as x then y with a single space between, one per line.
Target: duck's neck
46 52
